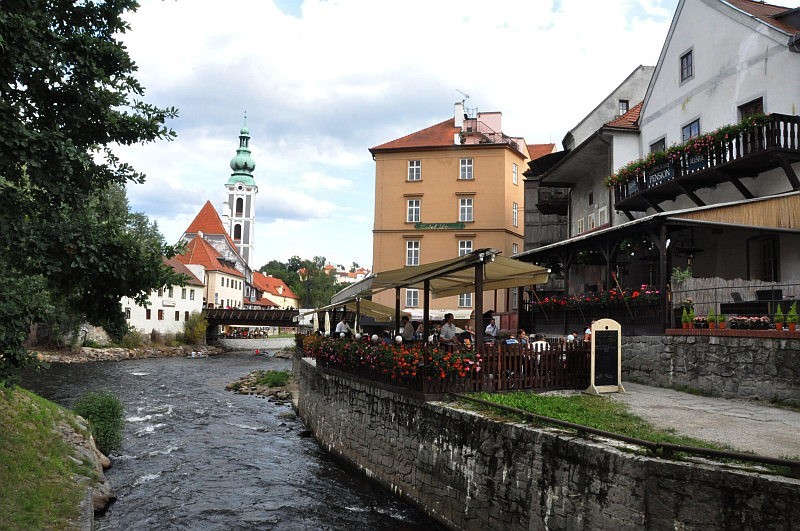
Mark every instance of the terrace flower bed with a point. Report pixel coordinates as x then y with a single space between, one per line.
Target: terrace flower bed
749 323
397 363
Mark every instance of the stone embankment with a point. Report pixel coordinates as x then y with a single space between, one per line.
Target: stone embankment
88 354
86 450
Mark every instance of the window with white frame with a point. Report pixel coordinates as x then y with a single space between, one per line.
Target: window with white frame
515 214
412 252
579 226
592 221
465 300
464 247
623 106
514 249
514 173
465 209
603 215
413 210
412 298
466 169
690 130
414 170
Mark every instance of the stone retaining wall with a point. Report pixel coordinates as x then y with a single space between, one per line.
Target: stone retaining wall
88 354
470 472
734 367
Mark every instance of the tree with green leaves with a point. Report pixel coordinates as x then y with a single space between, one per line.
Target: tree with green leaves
70 246
307 278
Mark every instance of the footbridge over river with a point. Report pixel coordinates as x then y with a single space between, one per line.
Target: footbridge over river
239 317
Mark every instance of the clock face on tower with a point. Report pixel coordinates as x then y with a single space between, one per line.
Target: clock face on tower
239 187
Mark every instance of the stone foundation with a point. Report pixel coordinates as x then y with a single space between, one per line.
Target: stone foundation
470 472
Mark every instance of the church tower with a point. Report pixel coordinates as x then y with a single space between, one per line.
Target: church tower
239 210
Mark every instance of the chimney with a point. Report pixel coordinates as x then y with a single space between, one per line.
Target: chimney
459 114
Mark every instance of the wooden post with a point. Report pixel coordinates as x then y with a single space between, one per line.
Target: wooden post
426 297
396 311
479 305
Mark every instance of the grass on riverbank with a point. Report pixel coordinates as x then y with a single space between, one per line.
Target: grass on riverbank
595 412
37 467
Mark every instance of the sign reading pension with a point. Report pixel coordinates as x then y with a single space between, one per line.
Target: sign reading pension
606 365
439 226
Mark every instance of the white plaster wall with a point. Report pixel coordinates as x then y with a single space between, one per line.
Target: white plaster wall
740 60
180 301
220 293
632 89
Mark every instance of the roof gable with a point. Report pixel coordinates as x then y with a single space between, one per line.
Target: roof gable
200 252
767 13
269 284
181 269
539 150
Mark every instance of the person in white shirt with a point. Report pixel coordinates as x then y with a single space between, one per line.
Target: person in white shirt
491 330
407 330
447 334
342 327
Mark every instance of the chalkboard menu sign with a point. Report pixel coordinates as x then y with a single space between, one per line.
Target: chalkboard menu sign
606 357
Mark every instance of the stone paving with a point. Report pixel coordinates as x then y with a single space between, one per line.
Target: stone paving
744 425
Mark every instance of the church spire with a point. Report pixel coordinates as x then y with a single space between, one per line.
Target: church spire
242 163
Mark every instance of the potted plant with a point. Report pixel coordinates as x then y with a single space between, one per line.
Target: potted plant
712 318
721 321
779 318
792 317
691 317
700 322
685 320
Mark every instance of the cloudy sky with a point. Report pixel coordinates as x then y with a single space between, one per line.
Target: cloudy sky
323 81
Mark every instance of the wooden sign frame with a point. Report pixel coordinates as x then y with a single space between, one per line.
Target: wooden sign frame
603 332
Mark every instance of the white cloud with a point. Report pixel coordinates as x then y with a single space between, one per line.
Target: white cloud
320 89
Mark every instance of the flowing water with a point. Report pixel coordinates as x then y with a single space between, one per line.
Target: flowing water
195 456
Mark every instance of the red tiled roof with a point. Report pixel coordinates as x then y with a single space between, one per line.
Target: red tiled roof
629 120
181 269
439 135
208 221
265 302
199 251
539 150
766 12
269 284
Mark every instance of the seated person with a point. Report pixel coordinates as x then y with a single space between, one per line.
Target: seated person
447 334
522 337
539 343
406 329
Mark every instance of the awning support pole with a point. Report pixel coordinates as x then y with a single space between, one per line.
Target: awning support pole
426 297
479 305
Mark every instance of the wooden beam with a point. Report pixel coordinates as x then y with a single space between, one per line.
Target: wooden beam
653 205
747 194
697 201
790 174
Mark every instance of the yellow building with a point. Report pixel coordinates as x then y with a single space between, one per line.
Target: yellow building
444 191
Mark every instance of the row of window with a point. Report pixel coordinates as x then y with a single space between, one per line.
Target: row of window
230 283
412 299
465 211
184 292
465 170
592 221
148 314
413 248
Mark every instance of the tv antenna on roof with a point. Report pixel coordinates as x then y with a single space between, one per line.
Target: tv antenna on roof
466 96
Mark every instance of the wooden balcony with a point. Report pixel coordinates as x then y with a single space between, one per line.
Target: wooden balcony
761 148
553 201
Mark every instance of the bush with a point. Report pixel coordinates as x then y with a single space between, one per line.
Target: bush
132 339
194 329
104 412
273 378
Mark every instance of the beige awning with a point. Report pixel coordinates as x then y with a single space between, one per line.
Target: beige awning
453 276
379 312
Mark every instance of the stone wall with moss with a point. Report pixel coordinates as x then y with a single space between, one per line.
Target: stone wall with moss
470 472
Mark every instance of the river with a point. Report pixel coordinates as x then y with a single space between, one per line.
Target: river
195 456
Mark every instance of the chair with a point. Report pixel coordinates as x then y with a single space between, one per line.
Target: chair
736 296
